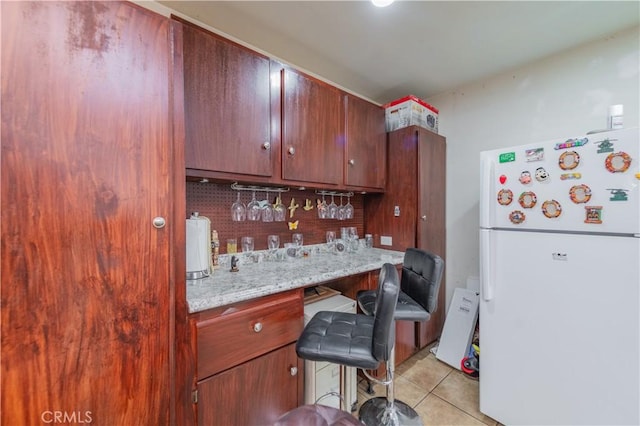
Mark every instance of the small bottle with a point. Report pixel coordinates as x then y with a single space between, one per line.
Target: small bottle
368 240
616 115
215 249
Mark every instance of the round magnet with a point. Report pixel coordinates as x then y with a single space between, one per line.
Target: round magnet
551 208
527 199
517 217
569 160
580 194
505 196
618 162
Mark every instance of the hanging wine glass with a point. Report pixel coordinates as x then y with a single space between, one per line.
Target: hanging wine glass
332 209
322 208
238 210
340 215
267 209
348 209
253 208
279 210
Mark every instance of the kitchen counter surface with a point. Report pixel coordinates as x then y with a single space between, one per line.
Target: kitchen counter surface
255 280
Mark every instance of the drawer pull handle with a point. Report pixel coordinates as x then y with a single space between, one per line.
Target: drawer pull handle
257 327
293 371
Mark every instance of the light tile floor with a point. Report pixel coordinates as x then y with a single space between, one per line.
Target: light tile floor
439 393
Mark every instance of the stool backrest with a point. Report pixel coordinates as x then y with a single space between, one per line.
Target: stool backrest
421 276
384 326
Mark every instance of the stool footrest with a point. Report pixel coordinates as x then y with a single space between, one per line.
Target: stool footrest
378 411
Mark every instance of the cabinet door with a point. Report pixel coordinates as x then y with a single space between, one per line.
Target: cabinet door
227 106
254 393
431 223
313 130
86 166
366 144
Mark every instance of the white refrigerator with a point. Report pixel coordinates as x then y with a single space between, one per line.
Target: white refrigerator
560 281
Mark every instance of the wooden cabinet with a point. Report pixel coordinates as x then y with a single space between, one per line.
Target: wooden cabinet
87 164
366 144
416 187
247 368
313 134
256 392
227 103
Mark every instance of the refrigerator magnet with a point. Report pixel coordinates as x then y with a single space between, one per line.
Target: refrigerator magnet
541 174
525 177
535 154
618 162
505 197
569 160
551 209
618 194
517 217
605 146
527 199
570 143
594 214
566 176
580 194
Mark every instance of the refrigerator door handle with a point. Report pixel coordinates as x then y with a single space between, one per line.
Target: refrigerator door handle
487 171
487 268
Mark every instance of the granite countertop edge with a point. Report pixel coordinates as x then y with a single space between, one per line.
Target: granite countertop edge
225 288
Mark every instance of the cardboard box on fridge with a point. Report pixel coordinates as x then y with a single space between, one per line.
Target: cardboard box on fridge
410 111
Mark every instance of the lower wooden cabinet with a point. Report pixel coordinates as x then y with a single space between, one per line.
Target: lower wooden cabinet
256 392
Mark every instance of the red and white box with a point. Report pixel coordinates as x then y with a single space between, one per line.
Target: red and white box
410 111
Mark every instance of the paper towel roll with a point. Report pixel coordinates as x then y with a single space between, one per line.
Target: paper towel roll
198 247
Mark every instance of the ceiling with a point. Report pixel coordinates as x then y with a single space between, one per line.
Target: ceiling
423 48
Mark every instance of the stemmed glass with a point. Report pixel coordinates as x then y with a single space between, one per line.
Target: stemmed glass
267 209
348 209
332 209
340 214
279 210
253 208
238 210
322 208
273 243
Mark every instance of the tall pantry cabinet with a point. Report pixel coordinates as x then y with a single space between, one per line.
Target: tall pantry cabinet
412 213
89 219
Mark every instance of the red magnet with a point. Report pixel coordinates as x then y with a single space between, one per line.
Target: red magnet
503 179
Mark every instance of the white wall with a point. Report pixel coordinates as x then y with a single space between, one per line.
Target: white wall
564 95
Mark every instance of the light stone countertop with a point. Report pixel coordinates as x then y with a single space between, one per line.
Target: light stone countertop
263 278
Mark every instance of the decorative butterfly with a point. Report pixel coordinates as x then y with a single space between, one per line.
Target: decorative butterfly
293 225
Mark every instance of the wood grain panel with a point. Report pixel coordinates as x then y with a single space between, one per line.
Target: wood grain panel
227 105
86 136
313 126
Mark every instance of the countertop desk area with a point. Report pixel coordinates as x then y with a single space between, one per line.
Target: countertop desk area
255 280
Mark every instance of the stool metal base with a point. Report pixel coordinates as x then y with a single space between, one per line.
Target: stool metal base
376 411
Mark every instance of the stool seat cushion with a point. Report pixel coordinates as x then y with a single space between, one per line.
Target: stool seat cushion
317 415
338 337
407 309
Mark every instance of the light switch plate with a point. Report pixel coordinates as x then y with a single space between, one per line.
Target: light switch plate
386 241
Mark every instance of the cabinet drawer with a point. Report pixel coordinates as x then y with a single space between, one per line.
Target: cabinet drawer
241 334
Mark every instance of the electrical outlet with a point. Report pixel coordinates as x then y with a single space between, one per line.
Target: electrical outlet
396 211
386 241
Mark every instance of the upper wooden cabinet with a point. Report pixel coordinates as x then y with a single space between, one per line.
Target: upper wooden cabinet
313 134
366 144
227 106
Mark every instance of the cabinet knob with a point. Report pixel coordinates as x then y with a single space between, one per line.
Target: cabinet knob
424 217
293 371
257 327
266 146
159 222
352 162
291 150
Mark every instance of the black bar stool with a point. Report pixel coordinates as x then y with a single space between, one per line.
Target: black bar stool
418 299
355 340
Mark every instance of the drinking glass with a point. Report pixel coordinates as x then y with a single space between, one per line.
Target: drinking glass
232 245
348 209
238 210
297 239
253 208
247 244
279 210
332 209
340 214
331 236
322 209
267 209
273 242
